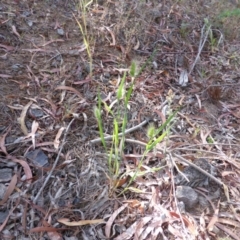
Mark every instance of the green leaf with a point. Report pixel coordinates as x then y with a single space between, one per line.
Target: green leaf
129 93
120 91
160 129
155 142
115 131
97 113
133 69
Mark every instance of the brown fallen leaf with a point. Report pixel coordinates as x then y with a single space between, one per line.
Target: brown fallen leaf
22 118
2 141
190 225
9 48
14 29
5 75
120 182
128 233
24 164
45 229
112 218
56 140
112 35
70 89
67 222
35 126
52 41
10 189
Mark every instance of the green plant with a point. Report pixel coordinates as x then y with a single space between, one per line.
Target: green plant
213 41
115 151
156 136
119 121
83 6
226 17
184 30
210 140
230 13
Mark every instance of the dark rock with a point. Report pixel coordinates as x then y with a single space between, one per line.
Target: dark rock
35 113
187 195
5 174
195 177
10 139
38 157
203 202
3 216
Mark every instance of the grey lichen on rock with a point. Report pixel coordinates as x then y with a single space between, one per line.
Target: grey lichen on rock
194 178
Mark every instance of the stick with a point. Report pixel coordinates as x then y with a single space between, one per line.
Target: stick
55 163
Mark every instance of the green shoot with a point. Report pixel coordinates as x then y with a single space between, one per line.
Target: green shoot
84 4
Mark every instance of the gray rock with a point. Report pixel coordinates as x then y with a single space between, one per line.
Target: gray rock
3 216
187 195
35 113
38 158
195 177
60 31
203 202
5 174
181 207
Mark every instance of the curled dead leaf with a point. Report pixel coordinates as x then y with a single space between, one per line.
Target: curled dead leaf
112 218
22 118
56 140
70 89
67 222
10 189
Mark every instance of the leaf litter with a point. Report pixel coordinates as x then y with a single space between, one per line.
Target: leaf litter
78 189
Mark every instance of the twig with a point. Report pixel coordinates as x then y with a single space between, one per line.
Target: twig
144 144
201 45
198 168
55 163
121 134
175 199
183 160
207 197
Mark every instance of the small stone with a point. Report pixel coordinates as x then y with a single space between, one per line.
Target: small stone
3 216
26 14
10 139
35 113
60 31
29 23
16 67
106 75
5 174
38 157
187 195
